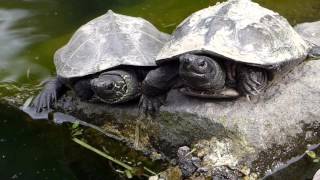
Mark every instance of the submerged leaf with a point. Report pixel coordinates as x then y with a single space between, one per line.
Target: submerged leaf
311 154
75 125
128 174
78 133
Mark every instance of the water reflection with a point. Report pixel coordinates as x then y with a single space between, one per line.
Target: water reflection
32 30
13 41
26 148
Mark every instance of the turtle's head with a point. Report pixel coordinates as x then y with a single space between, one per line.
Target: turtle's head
106 86
115 86
201 72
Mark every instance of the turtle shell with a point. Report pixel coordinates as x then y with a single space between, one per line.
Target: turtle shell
109 41
239 30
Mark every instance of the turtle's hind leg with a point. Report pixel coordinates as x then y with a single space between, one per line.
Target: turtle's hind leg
252 80
52 90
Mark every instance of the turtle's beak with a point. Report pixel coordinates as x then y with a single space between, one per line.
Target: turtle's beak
193 70
108 87
193 64
104 88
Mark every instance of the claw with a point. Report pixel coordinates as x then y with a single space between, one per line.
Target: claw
150 106
52 90
48 101
144 105
44 100
39 103
140 102
162 99
248 97
141 113
156 106
54 97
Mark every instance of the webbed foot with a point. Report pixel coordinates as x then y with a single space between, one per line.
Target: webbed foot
47 97
150 106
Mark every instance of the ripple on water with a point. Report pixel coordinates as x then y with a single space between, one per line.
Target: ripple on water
13 41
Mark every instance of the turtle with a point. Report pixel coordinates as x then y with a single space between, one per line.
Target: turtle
106 60
232 49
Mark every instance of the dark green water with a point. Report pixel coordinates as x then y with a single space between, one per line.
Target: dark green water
33 150
31 31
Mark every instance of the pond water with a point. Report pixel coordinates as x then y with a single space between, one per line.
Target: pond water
32 30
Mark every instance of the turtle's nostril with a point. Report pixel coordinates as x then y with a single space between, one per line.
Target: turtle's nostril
184 59
187 61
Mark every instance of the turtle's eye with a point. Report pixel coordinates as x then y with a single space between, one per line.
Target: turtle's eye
202 64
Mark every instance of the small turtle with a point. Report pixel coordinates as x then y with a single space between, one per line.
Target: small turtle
231 49
106 59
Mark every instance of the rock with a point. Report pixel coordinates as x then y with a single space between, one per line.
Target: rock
172 173
309 31
224 173
317 175
259 134
187 163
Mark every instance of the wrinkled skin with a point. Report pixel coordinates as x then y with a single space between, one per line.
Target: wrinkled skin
149 106
109 87
187 162
203 77
155 87
52 90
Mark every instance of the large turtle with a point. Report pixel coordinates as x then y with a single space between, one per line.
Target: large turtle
106 59
231 49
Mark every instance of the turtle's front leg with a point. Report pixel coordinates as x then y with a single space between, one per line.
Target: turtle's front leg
231 71
52 90
151 105
156 86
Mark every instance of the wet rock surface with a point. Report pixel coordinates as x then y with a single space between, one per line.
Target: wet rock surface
240 134
317 175
187 163
309 32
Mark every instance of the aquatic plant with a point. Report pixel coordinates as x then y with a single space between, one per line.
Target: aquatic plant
129 171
